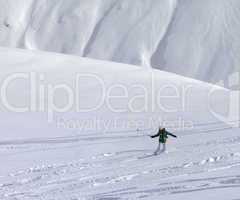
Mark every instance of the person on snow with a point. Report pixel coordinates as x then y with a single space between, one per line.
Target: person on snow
163 136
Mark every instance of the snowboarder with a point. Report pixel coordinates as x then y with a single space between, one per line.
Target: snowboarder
163 135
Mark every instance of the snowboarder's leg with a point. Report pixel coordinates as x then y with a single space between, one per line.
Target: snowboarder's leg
164 147
158 149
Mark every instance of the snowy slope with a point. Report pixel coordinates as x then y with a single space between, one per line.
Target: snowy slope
60 161
193 38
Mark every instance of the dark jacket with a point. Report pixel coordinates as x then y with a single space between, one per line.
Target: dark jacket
163 135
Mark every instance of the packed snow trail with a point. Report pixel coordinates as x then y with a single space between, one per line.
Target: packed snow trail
112 169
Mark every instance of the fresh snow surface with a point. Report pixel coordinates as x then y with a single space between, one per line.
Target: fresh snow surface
198 39
45 156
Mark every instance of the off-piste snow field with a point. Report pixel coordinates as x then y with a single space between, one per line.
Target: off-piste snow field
73 129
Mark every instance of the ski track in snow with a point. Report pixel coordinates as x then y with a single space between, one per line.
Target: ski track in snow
98 176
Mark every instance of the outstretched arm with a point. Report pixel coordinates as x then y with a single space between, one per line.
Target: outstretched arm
171 134
153 136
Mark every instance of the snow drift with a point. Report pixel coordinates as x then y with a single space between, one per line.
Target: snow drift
194 38
58 160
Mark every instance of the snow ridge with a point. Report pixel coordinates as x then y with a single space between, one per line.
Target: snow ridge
198 39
